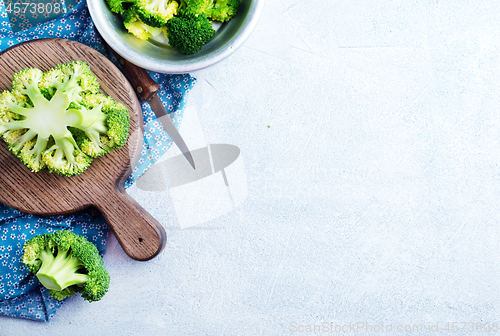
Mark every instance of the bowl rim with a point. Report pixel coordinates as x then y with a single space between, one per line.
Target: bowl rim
135 57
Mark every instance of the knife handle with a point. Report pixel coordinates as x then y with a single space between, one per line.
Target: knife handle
143 84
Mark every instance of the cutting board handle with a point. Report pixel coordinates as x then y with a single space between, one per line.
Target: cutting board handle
139 234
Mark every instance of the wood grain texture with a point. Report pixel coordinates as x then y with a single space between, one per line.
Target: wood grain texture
102 184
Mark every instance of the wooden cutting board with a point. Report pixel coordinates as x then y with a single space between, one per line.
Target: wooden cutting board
102 184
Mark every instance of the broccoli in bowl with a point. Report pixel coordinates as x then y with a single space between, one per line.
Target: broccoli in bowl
186 24
58 121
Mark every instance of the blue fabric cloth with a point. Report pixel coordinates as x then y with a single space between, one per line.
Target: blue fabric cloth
21 295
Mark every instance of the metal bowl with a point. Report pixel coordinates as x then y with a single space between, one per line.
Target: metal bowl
157 55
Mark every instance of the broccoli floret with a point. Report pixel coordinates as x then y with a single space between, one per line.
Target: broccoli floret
189 33
19 84
218 10
136 27
66 263
100 139
186 23
194 7
74 78
58 121
224 10
156 13
120 6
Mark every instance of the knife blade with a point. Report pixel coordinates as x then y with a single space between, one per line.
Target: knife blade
148 89
161 114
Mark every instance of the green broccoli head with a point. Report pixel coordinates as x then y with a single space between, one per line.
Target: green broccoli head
74 78
224 10
120 6
58 121
136 27
189 33
111 132
156 13
195 7
21 84
66 263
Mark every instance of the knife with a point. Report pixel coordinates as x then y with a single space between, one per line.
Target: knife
148 89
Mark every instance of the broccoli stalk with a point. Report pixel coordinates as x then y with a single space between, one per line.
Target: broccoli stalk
58 120
66 263
60 271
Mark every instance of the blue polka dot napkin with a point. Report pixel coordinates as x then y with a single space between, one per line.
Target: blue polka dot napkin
21 295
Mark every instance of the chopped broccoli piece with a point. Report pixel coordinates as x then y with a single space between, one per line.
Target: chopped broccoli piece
186 23
66 263
75 78
58 121
224 10
120 6
136 27
194 7
218 10
156 13
98 139
189 33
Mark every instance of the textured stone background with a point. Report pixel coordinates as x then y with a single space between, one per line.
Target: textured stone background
373 197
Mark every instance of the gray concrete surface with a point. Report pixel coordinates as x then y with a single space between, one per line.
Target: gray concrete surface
369 133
